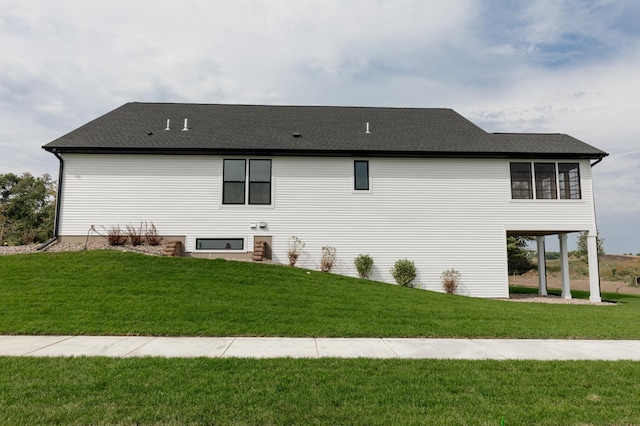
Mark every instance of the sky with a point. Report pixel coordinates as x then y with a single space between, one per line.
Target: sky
543 66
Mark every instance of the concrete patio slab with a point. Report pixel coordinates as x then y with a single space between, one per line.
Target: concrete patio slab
184 347
607 350
272 347
25 345
533 349
118 346
285 347
354 348
442 349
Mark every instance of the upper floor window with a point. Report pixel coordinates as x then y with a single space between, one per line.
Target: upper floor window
521 181
569 181
546 181
550 180
238 181
361 175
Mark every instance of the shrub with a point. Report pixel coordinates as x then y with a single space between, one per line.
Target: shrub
28 237
295 247
404 271
364 264
328 258
135 235
450 280
115 237
151 235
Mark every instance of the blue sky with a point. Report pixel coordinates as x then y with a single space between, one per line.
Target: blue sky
509 66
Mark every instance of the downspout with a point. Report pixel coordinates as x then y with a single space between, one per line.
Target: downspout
56 221
597 161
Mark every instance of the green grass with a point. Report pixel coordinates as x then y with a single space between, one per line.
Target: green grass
324 391
114 293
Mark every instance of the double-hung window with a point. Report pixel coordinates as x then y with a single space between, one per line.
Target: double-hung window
240 180
545 180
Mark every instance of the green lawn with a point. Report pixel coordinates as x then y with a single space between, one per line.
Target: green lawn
108 292
322 391
115 293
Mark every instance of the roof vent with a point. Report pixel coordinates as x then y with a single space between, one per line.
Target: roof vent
149 133
368 131
168 122
185 128
296 134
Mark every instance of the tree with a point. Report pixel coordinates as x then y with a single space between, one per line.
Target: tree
519 258
582 250
27 208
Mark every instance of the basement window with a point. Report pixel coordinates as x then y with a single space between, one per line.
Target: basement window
219 243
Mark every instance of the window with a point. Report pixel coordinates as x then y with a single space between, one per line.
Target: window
361 175
236 183
521 181
259 181
219 243
569 181
546 181
549 185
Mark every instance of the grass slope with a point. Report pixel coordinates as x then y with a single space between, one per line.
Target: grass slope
114 293
324 391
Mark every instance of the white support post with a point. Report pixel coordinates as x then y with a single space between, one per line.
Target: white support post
564 267
542 269
594 270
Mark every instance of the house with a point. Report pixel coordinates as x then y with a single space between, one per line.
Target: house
424 184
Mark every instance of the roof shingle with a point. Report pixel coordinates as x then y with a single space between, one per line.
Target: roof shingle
261 129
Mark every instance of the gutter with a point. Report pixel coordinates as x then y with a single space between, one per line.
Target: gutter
598 160
56 222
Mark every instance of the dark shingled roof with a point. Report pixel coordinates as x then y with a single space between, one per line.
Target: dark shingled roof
320 130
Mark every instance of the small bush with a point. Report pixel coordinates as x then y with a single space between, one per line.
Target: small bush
328 258
115 236
364 264
404 271
450 281
295 247
151 235
135 235
28 237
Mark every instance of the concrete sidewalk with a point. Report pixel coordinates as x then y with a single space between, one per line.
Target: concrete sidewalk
281 347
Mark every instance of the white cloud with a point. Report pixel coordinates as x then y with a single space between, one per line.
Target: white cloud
539 66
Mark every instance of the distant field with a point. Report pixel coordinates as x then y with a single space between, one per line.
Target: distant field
114 293
618 274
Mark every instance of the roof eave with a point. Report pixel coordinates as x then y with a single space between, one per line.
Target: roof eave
326 153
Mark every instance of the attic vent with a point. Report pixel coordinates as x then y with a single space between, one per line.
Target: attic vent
168 122
368 131
185 128
296 134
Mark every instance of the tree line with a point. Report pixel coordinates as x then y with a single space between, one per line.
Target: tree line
27 208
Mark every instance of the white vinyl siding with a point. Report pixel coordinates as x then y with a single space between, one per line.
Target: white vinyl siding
440 213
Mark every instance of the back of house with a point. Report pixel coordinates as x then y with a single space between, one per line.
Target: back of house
423 184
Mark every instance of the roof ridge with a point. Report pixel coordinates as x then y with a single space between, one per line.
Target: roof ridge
290 105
